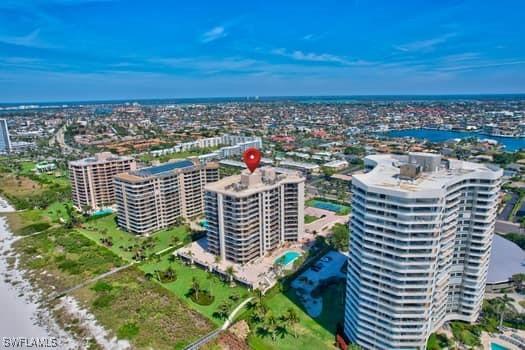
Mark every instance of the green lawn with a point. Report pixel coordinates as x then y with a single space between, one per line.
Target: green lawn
125 244
308 219
68 258
142 311
222 291
312 334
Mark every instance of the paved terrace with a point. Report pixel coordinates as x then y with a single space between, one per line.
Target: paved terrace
322 225
257 274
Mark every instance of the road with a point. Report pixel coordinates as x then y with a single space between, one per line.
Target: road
58 138
508 227
210 336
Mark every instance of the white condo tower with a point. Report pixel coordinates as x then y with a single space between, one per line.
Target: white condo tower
421 235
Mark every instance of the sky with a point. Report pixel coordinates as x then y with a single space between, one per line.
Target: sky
77 50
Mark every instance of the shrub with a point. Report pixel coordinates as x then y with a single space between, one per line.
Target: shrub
205 298
103 301
128 331
102 286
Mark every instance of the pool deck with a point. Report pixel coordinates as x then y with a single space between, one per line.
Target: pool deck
487 339
259 273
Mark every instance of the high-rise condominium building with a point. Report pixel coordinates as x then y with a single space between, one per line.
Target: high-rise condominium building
5 142
422 231
153 198
251 214
92 179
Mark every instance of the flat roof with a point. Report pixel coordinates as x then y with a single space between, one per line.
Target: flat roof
163 168
506 259
385 173
247 183
99 158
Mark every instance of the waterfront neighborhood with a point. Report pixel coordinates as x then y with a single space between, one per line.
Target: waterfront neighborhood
159 210
262 175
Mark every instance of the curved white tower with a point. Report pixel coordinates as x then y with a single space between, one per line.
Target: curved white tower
419 250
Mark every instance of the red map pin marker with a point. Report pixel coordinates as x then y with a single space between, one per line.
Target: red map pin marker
252 158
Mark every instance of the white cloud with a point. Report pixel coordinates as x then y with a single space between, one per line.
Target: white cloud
425 45
214 34
313 57
31 39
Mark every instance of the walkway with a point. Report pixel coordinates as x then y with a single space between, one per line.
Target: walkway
94 279
210 336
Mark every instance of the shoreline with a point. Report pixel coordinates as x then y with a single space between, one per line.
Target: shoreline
20 298
477 131
72 325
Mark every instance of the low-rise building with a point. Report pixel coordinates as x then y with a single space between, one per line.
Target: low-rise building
336 165
153 198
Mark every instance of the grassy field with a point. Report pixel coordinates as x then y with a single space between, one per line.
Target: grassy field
126 244
142 311
308 219
312 333
67 257
221 291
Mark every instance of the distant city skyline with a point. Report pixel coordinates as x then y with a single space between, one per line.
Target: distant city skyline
81 50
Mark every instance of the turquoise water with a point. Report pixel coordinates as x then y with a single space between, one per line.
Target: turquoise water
511 143
494 346
287 258
203 223
102 212
327 205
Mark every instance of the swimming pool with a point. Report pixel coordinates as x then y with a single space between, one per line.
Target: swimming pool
104 211
495 346
336 208
287 258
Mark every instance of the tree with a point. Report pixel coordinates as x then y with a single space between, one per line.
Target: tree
292 319
504 304
195 286
272 324
519 281
223 310
230 271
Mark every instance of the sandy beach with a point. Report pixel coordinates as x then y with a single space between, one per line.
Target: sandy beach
24 316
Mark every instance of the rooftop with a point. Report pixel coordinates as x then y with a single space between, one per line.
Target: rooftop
506 259
418 172
248 183
163 168
100 158
160 170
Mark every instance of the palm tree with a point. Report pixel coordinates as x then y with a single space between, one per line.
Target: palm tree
292 319
272 323
230 271
196 287
504 302
190 254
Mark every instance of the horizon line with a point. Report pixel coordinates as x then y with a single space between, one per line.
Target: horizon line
259 97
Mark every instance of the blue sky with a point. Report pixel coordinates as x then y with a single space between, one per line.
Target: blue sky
58 50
